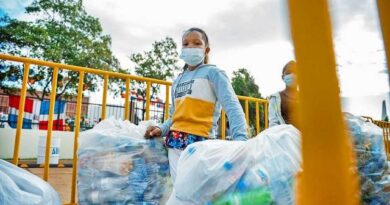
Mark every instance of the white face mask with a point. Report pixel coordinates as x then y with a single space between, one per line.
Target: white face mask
289 79
192 56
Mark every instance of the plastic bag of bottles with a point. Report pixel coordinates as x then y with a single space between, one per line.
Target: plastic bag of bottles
116 165
269 163
223 171
18 186
205 164
371 160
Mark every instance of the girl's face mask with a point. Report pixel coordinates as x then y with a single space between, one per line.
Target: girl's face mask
192 56
289 79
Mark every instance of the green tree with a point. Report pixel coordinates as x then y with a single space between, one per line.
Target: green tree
244 84
59 31
160 63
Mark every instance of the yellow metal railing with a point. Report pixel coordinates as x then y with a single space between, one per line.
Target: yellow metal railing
248 100
386 132
106 76
82 71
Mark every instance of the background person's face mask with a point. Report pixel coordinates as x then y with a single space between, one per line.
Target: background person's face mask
289 80
192 56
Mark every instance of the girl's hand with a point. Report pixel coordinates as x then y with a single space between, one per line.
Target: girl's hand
153 131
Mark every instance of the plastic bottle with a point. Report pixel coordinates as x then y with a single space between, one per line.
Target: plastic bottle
108 196
113 162
107 183
253 178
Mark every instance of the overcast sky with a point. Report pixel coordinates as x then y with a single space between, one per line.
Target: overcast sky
252 34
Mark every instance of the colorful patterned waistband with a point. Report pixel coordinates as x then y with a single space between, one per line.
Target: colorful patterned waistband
180 140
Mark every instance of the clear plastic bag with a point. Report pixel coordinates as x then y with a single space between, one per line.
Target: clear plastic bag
371 159
209 169
116 165
275 165
18 186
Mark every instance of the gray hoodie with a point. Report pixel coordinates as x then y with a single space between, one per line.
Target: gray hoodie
274 110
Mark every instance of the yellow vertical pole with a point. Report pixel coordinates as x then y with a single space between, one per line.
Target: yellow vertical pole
257 118
247 117
50 122
148 85
386 134
383 125
247 112
104 100
223 125
127 101
326 149
22 101
385 137
265 115
166 102
384 15
76 135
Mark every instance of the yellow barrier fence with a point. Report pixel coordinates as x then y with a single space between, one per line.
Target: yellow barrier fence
258 102
106 76
386 133
82 71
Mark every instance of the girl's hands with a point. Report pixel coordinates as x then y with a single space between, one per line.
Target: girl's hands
153 131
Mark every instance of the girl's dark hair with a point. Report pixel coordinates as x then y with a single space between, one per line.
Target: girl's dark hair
287 65
205 39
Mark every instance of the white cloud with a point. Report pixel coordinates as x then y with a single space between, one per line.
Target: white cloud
362 83
264 60
345 11
361 57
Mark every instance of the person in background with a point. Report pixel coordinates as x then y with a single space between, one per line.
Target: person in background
282 103
198 94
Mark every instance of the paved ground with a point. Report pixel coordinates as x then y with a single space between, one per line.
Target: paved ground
60 179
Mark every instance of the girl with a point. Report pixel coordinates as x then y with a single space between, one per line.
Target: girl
281 103
197 96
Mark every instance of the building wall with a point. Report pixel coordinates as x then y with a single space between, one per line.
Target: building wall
70 105
29 143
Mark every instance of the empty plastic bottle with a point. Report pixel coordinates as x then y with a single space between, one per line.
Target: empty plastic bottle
107 196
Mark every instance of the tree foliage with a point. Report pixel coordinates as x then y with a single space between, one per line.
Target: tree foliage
159 63
244 84
59 31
